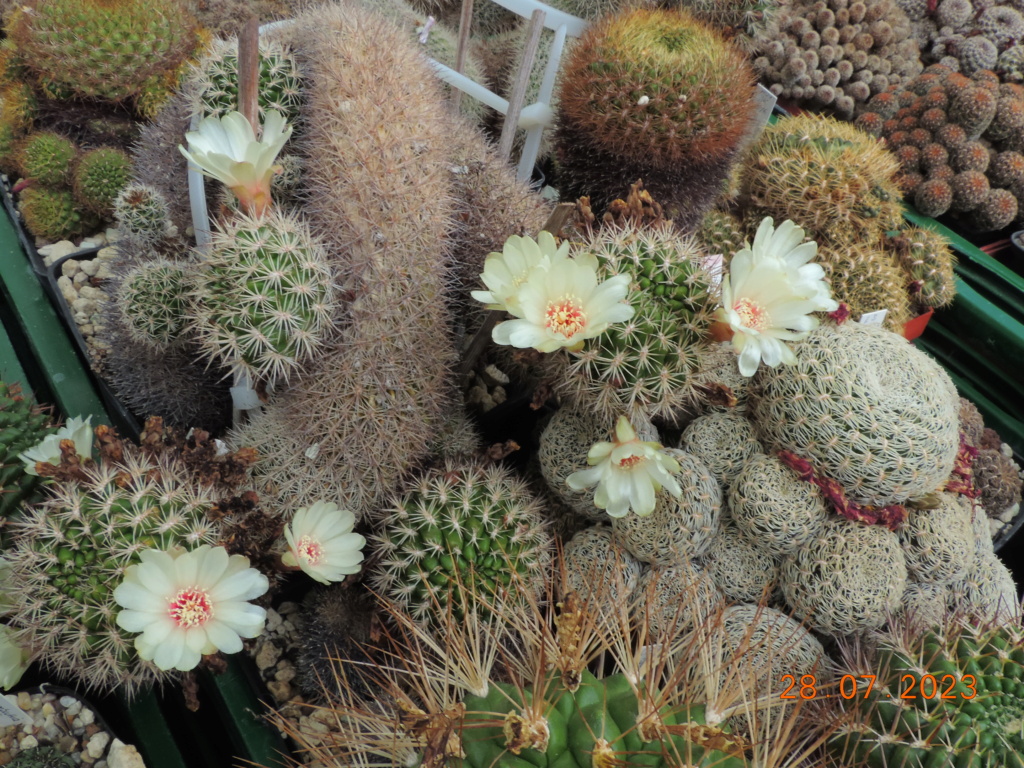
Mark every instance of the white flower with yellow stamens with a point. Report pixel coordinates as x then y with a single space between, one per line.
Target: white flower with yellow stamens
628 473
321 542
504 272
564 306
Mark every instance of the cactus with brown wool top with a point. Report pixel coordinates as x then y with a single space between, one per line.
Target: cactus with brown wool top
655 95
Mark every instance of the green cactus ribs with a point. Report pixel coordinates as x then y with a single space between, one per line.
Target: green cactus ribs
23 424
600 724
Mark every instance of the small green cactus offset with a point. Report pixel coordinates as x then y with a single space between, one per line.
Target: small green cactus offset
265 296
154 300
99 177
54 214
23 424
142 213
42 757
280 82
45 157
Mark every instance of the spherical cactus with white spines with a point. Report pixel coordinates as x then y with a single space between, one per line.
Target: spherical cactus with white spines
744 573
457 536
142 214
564 445
674 598
155 300
216 81
265 296
597 569
724 442
938 543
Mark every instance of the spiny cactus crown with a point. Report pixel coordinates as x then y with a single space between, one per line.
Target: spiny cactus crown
100 176
280 82
23 424
154 299
46 157
141 212
53 213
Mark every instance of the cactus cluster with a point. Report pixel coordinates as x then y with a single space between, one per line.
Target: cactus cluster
655 95
835 53
959 142
23 424
54 214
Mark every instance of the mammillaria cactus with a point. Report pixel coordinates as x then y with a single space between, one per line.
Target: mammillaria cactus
214 83
45 157
99 176
987 592
155 298
938 543
672 598
849 579
861 390
744 572
655 95
723 442
564 445
460 535
54 214
595 566
23 424
141 212
928 259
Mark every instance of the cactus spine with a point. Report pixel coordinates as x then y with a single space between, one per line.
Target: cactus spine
23 424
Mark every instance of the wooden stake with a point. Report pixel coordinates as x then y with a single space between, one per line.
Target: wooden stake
518 95
249 72
465 29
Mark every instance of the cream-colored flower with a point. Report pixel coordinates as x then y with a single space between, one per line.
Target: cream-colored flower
628 473
504 272
321 542
563 306
769 295
187 604
226 149
78 431
13 659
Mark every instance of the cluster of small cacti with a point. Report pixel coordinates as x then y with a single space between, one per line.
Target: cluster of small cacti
997 476
836 54
959 142
23 424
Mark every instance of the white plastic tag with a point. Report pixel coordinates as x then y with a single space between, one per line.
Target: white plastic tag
873 318
244 397
11 713
764 103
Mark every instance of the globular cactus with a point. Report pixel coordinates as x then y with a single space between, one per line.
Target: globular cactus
71 550
154 298
46 756
101 48
723 442
98 178
987 593
23 424
998 209
744 572
460 535
938 543
867 279
1010 64
720 384
928 259
933 197
142 214
673 598
722 233
564 444
848 579
647 365
947 698
214 83
859 390
265 297
54 214
597 568
655 95
680 528
1002 24
773 508
46 157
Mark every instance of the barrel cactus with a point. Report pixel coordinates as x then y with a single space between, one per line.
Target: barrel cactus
459 535
23 424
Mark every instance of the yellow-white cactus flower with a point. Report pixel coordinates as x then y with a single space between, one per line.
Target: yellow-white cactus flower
563 306
77 430
321 542
187 604
504 272
628 473
13 659
226 149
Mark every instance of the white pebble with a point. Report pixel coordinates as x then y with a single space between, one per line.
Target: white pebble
88 716
97 744
70 268
29 742
92 292
81 277
67 701
89 267
112 234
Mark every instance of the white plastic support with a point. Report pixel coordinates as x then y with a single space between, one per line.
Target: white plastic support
197 199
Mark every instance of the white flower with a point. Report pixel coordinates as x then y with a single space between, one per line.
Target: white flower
322 544
226 149
504 272
187 604
628 473
77 430
564 306
769 295
13 659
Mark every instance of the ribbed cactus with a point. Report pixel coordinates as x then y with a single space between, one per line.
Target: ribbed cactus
953 698
99 176
655 95
215 81
23 424
54 214
71 551
646 366
457 537
101 48
154 299
142 214
264 297
861 391
45 157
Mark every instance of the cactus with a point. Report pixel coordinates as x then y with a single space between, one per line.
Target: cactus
47 756
775 510
647 365
987 592
998 209
154 298
938 543
933 197
969 716
997 478
23 424
867 278
265 297
928 259
597 568
655 95
564 444
673 598
101 48
71 550
45 157
99 177
720 383
723 442
970 189
679 528
745 573
722 232
142 214
1010 64
215 81
53 214
848 579
861 390
458 536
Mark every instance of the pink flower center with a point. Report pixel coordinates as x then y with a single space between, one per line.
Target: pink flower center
752 315
191 607
309 549
566 316
630 461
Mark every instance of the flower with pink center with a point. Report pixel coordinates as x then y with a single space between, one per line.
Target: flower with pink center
628 473
563 306
321 542
187 604
504 272
769 295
